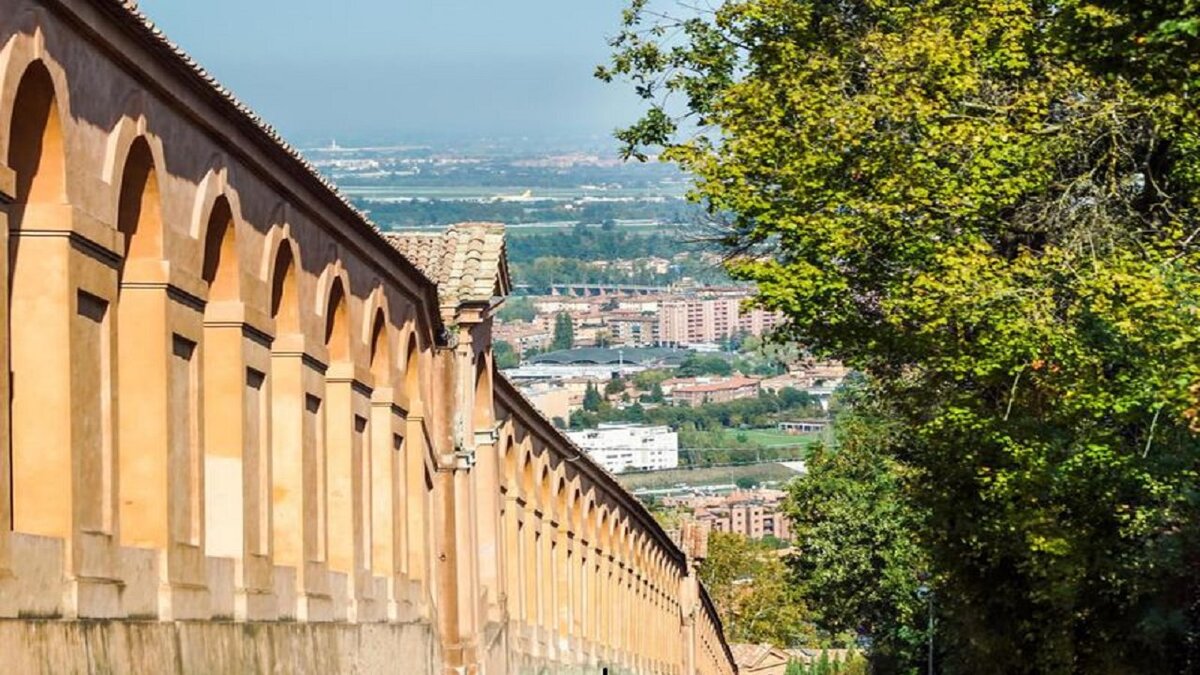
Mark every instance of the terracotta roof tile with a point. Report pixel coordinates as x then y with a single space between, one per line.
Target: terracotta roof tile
468 261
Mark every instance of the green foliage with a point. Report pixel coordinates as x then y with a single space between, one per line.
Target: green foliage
506 356
424 213
746 483
564 332
754 592
697 365
857 534
592 400
517 309
614 386
990 208
824 665
707 426
648 378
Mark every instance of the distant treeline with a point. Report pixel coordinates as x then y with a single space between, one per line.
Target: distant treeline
437 212
567 256
591 244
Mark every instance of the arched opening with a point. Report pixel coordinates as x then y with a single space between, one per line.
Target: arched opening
285 305
221 270
386 473
139 211
346 432
296 424
417 485
234 406
412 374
337 326
156 375
381 362
483 414
36 153
40 434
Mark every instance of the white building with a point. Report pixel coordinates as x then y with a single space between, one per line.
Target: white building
630 447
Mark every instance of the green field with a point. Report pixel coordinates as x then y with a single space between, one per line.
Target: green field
771 438
654 480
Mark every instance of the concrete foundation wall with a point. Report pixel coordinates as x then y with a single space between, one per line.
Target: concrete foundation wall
36 647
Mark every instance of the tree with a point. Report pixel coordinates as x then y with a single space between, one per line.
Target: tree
989 209
564 332
592 399
648 378
614 386
754 593
506 356
696 365
858 536
746 483
517 309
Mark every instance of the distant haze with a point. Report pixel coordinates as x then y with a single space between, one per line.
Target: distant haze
395 70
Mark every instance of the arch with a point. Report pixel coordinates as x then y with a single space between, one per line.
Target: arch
528 492
139 205
337 325
381 360
545 495
483 412
37 150
285 297
412 372
40 453
576 511
221 269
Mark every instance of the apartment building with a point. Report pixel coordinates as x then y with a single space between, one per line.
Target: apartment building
710 319
629 447
754 514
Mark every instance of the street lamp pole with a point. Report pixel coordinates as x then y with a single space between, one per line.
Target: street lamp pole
931 634
925 593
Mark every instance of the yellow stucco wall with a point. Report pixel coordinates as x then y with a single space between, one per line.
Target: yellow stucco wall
244 432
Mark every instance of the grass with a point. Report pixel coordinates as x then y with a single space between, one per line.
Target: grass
772 438
696 477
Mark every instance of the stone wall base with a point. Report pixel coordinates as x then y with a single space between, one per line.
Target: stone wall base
47 647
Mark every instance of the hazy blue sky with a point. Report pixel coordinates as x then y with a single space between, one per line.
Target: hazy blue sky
398 69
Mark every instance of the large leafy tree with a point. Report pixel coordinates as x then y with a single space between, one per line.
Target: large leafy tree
755 592
860 562
977 204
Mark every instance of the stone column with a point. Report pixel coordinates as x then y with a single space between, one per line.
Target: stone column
562 590
237 481
298 475
61 344
417 515
160 352
8 193
488 506
347 449
548 587
387 526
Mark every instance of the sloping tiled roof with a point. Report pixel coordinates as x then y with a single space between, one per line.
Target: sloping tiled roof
722 385
467 262
747 655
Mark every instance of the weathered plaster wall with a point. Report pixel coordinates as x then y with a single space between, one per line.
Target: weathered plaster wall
246 434
214 648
